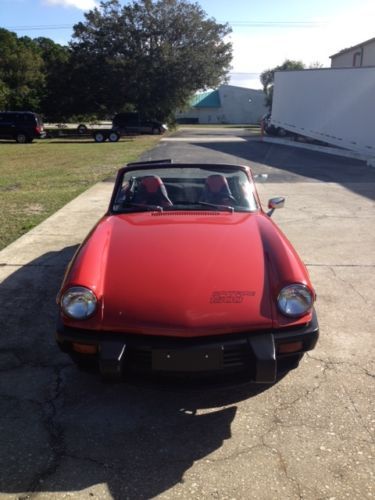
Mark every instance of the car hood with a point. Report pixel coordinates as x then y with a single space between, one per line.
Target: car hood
190 273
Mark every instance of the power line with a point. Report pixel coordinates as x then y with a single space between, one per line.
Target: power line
40 27
244 24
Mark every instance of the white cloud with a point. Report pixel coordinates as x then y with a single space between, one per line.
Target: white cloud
79 4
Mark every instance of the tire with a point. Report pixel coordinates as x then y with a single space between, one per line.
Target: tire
99 137
156 131
113 137
82 128
22 138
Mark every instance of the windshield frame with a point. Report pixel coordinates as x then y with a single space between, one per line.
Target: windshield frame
165 165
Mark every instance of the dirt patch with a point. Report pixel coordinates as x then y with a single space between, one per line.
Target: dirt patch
33 209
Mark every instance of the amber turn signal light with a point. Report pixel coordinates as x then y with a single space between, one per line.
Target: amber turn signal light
290 347
85 348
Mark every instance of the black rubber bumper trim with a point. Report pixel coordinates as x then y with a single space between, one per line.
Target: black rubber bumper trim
263 347
308 334
112 347
111 359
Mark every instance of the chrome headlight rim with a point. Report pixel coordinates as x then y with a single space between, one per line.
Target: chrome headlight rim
301 291
78 303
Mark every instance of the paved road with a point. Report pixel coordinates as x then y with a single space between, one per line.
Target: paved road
65 434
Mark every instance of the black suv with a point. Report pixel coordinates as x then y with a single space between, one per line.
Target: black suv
22 126
133 123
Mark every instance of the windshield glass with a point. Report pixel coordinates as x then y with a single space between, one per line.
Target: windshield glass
185 188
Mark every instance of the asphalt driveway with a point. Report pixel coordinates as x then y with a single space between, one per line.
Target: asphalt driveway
65 434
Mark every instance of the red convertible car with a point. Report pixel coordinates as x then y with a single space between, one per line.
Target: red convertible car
187 275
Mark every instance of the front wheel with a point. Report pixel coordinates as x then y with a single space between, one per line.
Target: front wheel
156 131
99 137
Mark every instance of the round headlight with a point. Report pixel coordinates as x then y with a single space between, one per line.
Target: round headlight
78 302
295 300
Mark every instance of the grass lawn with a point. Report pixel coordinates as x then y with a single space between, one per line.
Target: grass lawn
39 178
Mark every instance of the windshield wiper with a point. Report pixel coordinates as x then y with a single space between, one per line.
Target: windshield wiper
219 207
144 206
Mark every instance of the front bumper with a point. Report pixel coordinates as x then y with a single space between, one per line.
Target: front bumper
262 356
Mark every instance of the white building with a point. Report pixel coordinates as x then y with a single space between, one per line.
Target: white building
362 54
227 104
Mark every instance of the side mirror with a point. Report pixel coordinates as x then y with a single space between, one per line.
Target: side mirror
274 203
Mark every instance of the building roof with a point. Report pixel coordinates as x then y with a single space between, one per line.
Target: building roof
354 47
210 99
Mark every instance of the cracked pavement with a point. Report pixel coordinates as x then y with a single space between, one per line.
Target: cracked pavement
65 434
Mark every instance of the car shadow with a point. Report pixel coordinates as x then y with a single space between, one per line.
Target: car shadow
63 430
87 140
67 140
290 164
13 141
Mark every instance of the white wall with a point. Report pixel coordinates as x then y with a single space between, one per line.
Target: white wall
336 106
343 60
238 105
348 58
369 54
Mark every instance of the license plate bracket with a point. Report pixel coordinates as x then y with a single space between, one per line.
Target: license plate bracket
187 360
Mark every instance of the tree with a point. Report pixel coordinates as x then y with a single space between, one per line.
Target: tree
268 76
32 74
21 76
4 94
55 95
316 65
149 55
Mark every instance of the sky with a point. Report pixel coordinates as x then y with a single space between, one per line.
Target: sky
264 33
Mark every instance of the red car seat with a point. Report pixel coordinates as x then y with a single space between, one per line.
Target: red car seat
151 191
216 190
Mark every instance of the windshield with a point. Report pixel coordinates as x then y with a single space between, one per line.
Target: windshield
185 188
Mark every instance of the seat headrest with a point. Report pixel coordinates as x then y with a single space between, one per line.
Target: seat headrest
152 183
216 183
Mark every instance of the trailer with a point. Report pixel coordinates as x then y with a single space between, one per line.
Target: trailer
333 105
82 131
